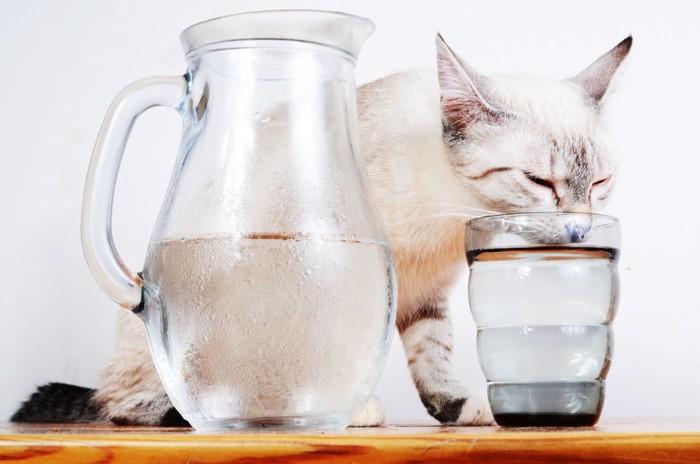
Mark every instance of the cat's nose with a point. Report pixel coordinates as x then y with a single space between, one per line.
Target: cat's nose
577 230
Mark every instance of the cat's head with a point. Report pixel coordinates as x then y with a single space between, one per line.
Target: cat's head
521 143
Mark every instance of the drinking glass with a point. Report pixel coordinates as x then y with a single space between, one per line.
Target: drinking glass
543 291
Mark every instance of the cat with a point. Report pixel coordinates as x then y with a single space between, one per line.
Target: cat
439 147
463 144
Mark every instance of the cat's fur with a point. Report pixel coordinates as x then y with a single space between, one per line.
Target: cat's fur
439 148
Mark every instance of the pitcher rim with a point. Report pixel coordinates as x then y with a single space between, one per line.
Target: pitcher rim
212 31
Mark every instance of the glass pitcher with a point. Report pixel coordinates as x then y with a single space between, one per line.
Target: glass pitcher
268 291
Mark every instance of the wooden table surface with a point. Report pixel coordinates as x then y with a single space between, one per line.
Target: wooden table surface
612 441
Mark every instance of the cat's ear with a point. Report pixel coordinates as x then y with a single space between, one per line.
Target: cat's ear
595 79
463 92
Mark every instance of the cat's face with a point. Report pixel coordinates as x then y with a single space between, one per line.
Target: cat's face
547 153
523 144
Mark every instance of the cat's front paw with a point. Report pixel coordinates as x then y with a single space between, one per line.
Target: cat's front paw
371 414
476 411
463 409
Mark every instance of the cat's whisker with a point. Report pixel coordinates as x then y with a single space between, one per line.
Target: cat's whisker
464 207
462 215
444 214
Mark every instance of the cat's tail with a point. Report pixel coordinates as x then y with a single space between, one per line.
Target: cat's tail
59 402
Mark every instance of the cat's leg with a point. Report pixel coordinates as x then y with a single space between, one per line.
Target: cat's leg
427 340
131 392
126 397
371 414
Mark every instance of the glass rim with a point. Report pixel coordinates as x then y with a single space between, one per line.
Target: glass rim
601 220
278 25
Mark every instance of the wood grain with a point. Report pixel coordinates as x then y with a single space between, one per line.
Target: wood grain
639 441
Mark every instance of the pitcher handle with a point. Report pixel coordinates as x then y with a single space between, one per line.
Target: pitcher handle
122 284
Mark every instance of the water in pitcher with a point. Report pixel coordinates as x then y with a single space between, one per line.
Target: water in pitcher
544 341
236 309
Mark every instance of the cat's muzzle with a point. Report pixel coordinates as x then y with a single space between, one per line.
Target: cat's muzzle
577 228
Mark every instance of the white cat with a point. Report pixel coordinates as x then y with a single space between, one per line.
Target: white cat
442 147
439 147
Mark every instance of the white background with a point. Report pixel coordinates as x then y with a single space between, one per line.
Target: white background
62 62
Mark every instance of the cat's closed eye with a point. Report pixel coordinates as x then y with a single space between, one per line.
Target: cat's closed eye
598 188
601 182
540 181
